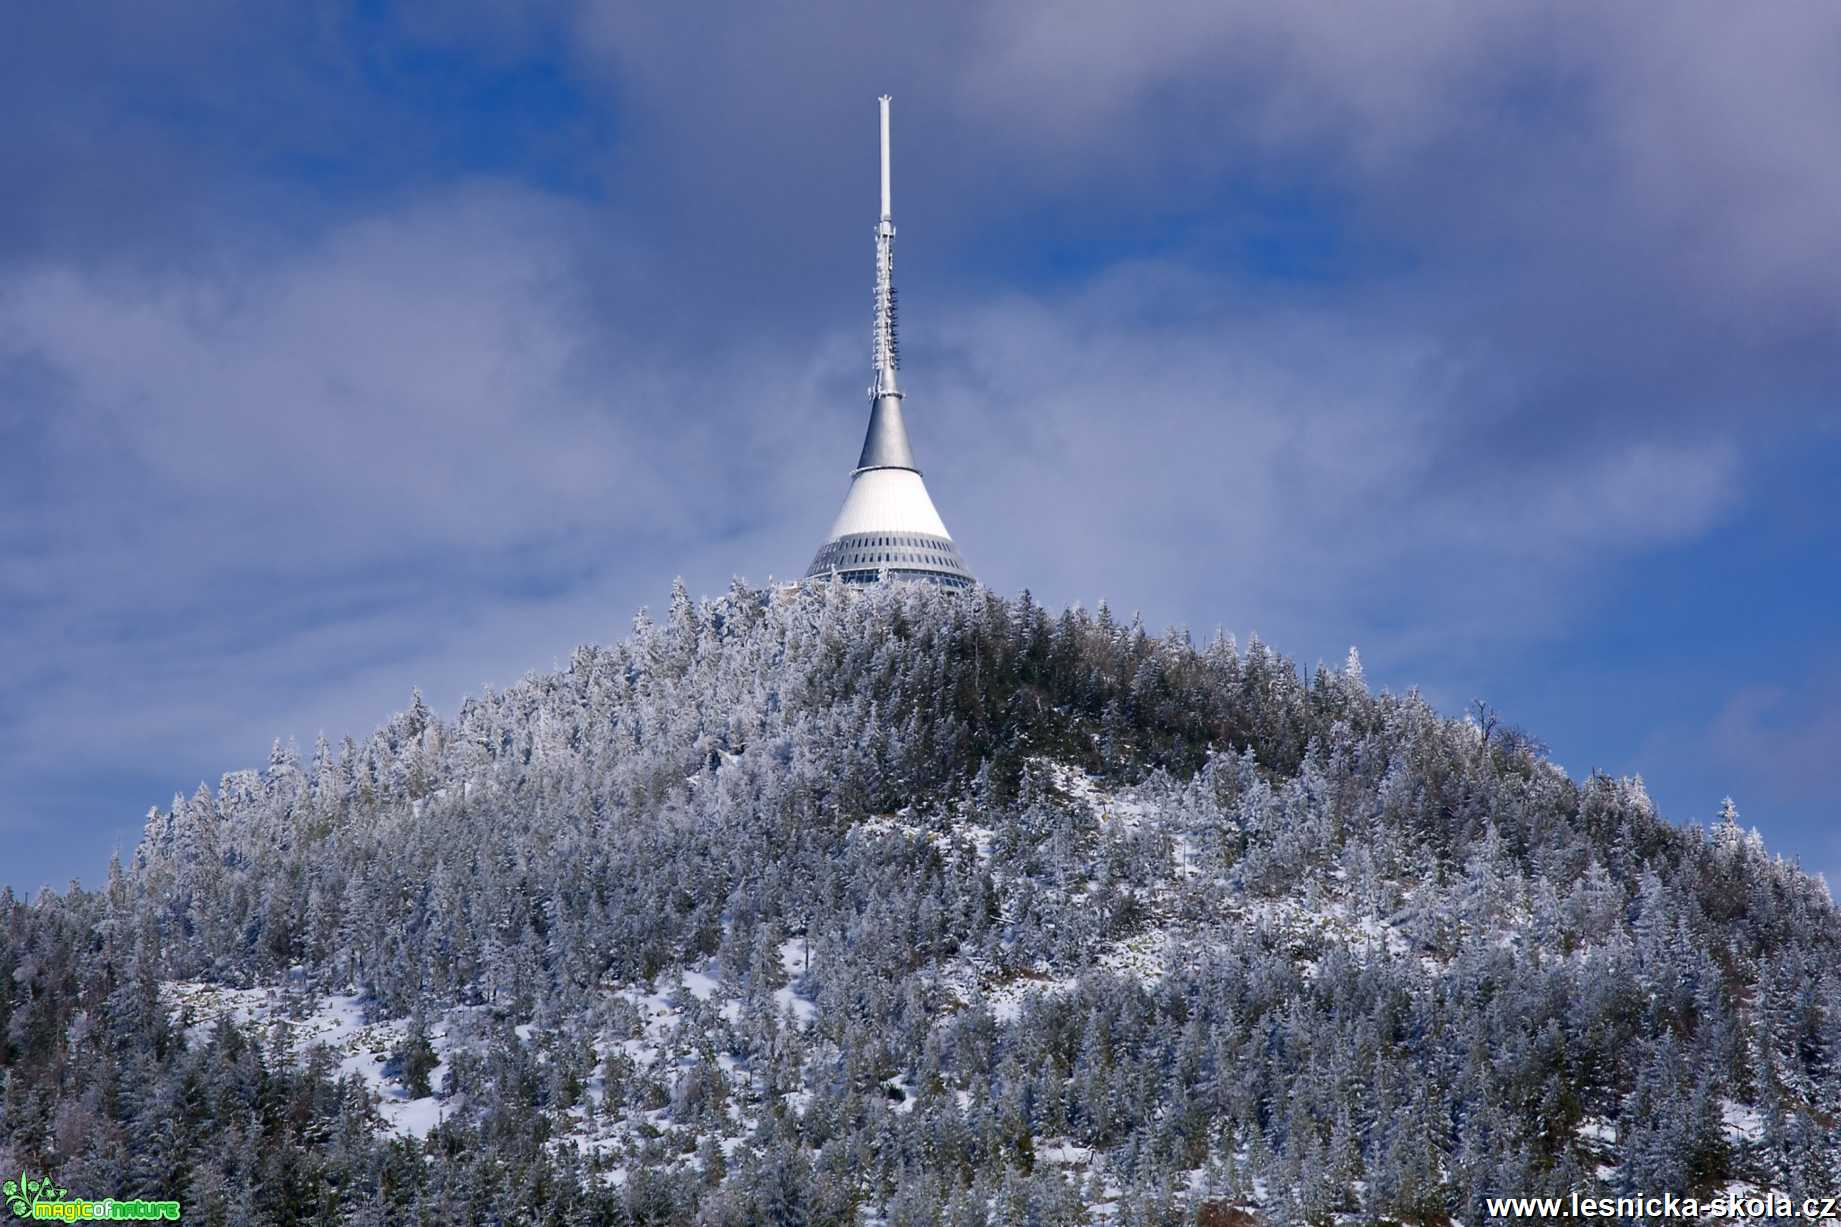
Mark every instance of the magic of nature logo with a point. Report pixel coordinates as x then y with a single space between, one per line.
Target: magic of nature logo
44 1199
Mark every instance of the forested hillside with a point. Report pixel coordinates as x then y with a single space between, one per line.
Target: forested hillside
918 907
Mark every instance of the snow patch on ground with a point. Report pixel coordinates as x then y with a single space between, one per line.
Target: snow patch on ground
335 1022
1742 1123
795 955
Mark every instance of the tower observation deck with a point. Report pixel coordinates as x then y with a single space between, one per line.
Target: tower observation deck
888 525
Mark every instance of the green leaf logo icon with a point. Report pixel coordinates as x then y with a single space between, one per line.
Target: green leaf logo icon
25 1193
16 1191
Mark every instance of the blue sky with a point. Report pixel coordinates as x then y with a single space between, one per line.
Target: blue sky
348 349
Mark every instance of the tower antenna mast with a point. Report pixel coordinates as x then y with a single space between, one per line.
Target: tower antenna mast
885 346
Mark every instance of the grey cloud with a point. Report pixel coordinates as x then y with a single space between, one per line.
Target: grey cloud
256 479
1782 739
1282 464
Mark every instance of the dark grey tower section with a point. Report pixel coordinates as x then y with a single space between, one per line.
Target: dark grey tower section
885 445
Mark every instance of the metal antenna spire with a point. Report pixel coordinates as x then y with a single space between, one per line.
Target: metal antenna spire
886 348
884 100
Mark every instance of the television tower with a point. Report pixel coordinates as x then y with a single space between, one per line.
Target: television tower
888 525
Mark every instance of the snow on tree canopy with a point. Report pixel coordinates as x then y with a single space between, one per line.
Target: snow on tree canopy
910 905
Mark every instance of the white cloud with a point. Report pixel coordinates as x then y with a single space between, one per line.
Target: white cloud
1286 468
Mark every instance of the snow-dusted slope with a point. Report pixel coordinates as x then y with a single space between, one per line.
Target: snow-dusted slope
875 902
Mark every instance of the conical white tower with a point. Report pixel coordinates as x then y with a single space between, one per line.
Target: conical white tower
888 523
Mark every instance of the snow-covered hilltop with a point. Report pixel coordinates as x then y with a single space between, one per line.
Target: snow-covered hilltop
913 906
